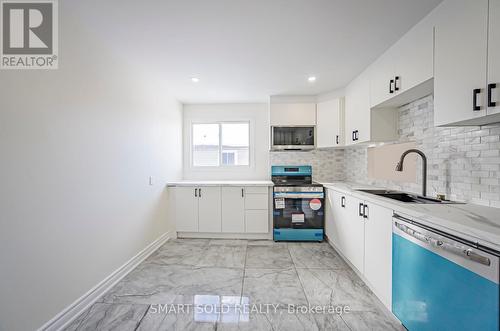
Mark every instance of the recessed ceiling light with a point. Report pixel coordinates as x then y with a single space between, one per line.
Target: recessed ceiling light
311 79
195 79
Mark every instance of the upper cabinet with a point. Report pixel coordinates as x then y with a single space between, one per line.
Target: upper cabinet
293 113
403 67
362 125
330 123
493 88
467 67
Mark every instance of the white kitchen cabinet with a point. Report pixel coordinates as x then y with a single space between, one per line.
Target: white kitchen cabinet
303 113
461 45
330 123
363 125
336 219
257 221
494 57
413 57
353 232
209 209
233 209
186 209
228 210
407 64
357 110
382 76
378 251
256 201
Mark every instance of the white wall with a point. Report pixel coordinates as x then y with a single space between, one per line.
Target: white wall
257 114
77 147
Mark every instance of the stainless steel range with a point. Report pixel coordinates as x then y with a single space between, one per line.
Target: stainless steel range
298 204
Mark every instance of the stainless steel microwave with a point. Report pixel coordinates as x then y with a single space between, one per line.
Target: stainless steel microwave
293 138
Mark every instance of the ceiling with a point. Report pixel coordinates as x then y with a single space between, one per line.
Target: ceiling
247 50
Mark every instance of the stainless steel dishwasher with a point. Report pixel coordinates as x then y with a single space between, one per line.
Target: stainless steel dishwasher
442 282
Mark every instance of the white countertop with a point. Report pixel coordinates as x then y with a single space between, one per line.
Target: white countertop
473 222
221 183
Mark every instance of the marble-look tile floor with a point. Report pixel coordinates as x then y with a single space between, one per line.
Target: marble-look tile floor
202 284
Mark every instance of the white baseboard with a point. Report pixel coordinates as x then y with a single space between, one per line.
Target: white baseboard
219 235
67 316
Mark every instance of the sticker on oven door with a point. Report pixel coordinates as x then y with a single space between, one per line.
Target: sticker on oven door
298 218
315 204
279 203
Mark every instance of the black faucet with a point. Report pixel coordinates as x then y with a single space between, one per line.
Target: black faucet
399 167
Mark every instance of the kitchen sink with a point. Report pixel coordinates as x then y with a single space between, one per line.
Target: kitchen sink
407 197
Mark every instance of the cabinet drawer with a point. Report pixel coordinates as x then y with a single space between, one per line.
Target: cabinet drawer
256 201
256 221
256 189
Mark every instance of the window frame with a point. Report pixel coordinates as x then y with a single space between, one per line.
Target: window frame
221 166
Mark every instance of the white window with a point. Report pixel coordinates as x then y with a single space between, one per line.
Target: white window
222 144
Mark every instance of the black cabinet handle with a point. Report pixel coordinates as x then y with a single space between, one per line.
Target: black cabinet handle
199 192
475 92
490 89
365 211
337 139
361 209
242 192
354 136
390 86
342 202
195 192
396 88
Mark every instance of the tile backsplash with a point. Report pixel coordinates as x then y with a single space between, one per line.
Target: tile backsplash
463 162
328 165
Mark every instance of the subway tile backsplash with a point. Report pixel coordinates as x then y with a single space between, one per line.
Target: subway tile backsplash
328 165
463 162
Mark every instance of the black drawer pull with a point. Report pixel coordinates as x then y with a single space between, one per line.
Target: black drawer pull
390 86
396 88
490 89
475 92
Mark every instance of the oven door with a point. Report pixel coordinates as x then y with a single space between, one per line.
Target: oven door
298 210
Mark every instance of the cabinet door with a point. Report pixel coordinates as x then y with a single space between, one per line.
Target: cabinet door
330 231
328 123
357 109
353 232
378 251
293 114
209 210
413 57
494 54
380 79
335 222
257 221
460 61
233 209
186 209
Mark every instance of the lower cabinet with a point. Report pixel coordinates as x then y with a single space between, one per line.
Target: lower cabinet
233 209
186 209
362 232
222 209
209 209
378 251
198 209
256 221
